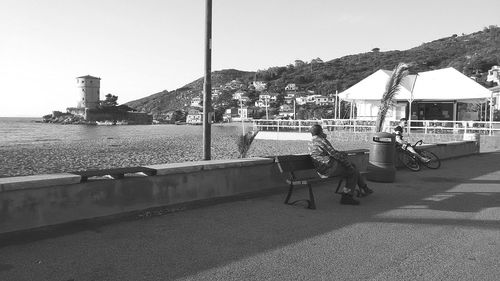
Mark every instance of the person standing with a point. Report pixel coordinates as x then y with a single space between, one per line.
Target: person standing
330 162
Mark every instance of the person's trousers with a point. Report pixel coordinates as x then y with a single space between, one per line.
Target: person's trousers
353 177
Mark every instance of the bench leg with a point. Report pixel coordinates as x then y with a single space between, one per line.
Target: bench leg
311 203
289 195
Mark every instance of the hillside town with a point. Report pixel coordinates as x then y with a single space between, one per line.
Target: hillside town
238 101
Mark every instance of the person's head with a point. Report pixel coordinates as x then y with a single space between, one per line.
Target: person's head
402 122
316 130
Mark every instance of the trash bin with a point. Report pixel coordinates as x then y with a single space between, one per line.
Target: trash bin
381 166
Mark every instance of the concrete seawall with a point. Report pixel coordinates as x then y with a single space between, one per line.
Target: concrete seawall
33 202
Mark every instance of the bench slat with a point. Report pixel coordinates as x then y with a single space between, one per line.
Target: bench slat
291 163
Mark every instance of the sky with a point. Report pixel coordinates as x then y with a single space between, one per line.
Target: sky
141 47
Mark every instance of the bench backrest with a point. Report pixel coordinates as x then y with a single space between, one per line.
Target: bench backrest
292 163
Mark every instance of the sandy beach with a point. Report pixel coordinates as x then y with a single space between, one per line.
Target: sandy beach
43 149
66 156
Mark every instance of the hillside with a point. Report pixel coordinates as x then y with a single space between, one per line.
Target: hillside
472 54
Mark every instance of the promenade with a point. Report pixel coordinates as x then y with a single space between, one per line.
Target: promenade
429 225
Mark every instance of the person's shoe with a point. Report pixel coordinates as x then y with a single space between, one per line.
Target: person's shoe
364 191
348 199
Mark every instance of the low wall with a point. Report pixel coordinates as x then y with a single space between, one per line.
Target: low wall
44 200
449 150
32 202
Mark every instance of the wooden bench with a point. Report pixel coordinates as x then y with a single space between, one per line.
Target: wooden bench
299 170
116 173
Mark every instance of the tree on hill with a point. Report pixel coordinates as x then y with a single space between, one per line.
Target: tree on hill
110 100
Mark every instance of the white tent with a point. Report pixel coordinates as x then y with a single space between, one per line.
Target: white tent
448 84
442 84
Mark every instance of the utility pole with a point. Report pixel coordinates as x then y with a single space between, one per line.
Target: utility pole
207 83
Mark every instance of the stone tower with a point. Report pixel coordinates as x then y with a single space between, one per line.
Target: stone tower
88 88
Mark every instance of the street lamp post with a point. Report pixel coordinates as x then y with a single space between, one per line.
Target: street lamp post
266 100
207 83
241 116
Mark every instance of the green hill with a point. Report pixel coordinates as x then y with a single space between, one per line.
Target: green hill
472 54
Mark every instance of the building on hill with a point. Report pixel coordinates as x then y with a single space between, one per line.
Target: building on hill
496 96
324 100
291 87
259 86
194 117
494 75
196 102
434 95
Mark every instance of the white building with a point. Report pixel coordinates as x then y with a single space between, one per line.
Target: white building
291 87
494 75
259 85
196 102
239 95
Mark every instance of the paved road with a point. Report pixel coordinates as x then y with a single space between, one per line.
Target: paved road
430 225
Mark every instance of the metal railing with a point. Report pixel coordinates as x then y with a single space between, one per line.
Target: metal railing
356 125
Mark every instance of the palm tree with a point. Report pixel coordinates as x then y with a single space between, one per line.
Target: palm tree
391 89
244 142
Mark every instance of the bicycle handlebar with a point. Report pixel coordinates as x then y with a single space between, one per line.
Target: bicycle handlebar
418 142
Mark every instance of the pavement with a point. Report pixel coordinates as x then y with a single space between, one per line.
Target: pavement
429 225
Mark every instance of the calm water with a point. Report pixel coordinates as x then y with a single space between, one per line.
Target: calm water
25 131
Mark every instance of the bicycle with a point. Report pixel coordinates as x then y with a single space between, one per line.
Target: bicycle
413 162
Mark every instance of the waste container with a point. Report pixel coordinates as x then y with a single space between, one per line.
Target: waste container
381 166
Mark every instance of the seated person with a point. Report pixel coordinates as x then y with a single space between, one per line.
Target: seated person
398 131
330 162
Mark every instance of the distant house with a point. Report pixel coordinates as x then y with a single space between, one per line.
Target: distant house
301 100
216 93
233 85
196 102
324 100
238 95
194 117
496 96
286 110
312 98
259 85
291 87
265 98
494 75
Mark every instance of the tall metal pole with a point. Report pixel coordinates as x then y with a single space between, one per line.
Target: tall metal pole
267 105
410 101
207 85
241 116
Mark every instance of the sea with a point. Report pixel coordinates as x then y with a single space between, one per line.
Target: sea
30 130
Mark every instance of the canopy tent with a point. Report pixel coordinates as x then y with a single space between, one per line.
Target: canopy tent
448 84
442 84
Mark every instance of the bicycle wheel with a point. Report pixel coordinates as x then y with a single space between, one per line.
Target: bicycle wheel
409 161
435 162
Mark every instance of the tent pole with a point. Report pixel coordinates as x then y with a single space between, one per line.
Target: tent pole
491 113
410 102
